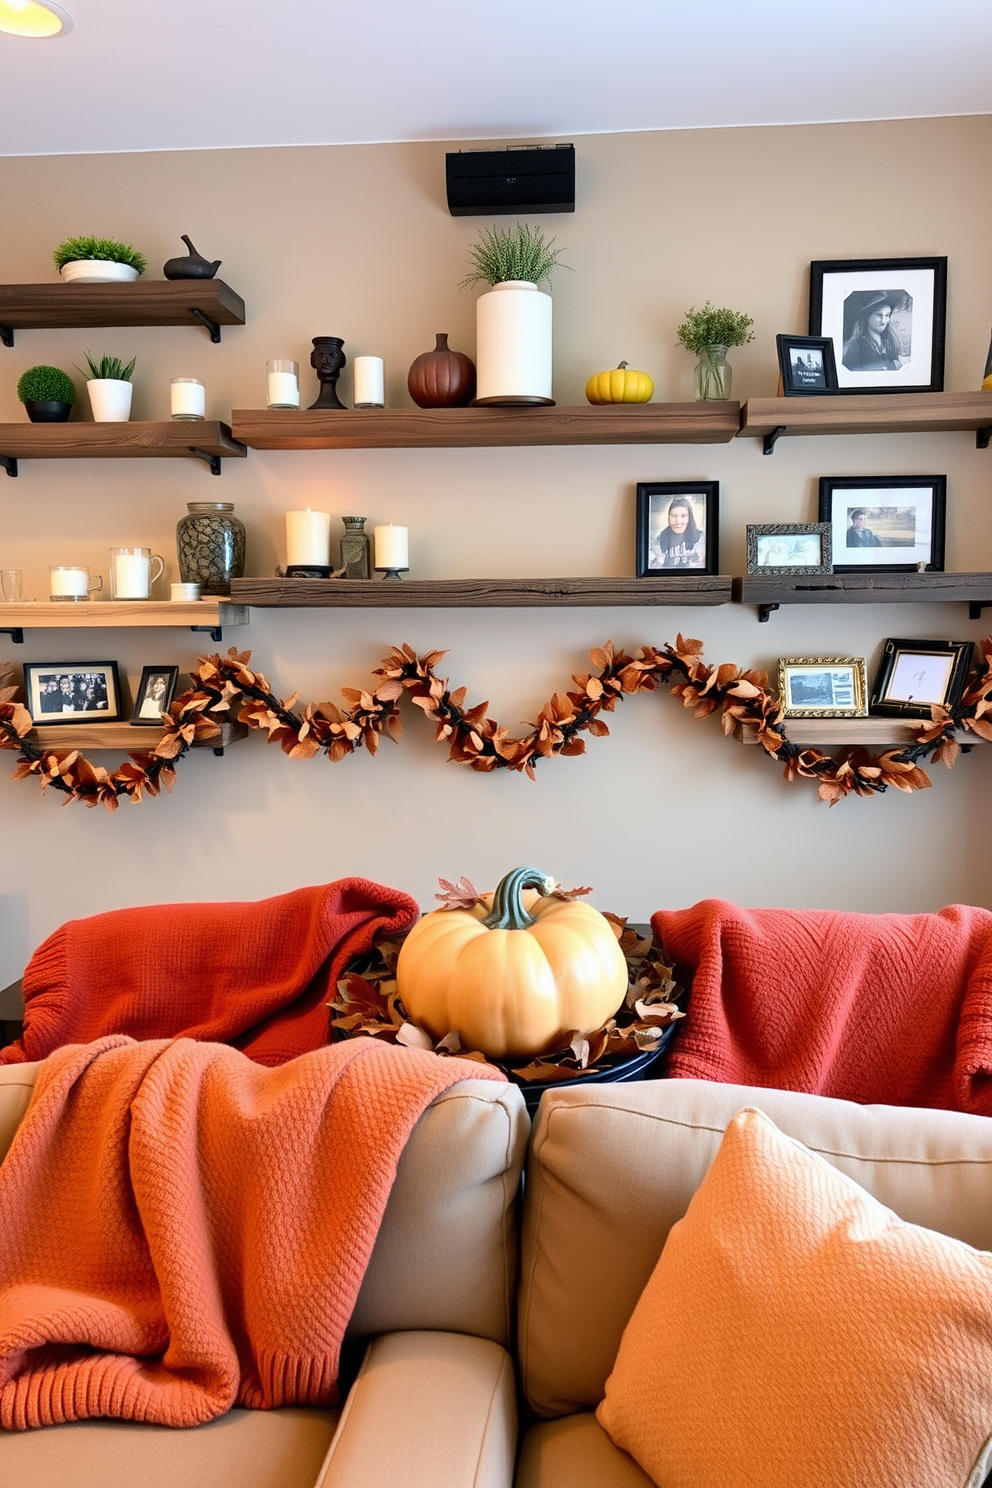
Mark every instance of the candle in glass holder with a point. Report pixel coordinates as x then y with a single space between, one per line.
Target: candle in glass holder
392 547
189 398
282 384
308 539
369 382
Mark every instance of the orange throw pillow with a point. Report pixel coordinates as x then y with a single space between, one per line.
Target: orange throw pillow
794 1330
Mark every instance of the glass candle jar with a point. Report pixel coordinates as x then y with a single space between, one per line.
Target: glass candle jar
188 397
282 384
210 542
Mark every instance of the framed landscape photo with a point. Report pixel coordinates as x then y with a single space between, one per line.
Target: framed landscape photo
885 317
73 691
885 523
789 548
677 528
823 686
154 695
915 676
806 364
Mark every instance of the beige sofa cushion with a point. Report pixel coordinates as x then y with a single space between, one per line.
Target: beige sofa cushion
612 1168
575 1452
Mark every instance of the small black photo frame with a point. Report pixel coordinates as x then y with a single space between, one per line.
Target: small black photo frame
915 676
885 523
788 548
677 528
154 695
72 692
807 365
885 317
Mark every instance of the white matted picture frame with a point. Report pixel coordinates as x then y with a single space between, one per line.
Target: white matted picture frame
914 677
885 523
823 686
61 692
885 317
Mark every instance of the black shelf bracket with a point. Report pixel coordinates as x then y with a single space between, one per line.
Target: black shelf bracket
212 460
983 436
976 606
764 610
215 632
7 335
9 464
211 325
771 439
15 632
219 753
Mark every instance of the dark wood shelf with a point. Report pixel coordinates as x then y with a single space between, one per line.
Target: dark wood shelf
467 428
768 419
156 302
200 439
768 591
706 589
122 737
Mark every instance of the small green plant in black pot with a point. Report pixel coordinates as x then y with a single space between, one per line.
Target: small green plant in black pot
47 393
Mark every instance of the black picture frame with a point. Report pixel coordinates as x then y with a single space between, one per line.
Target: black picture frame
781 547
903 355
694 550
160 680
888 522
940 668
819 379
67 692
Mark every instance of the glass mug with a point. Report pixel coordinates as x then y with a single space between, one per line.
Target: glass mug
71 584
131 574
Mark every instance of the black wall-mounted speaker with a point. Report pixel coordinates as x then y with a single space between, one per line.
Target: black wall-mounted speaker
529 178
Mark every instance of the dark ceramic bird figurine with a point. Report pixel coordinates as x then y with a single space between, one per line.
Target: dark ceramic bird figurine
193 267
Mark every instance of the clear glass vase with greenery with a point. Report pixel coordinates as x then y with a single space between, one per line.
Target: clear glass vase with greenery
709 333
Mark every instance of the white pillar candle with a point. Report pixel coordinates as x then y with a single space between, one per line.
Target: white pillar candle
308 538
392 547
282 384
69 583
189 398
130 576
369 382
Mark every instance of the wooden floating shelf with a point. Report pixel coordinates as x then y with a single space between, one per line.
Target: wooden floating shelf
769 419
204 439
768 591
706 589
90 737
127 614
852 732
709 422
157 302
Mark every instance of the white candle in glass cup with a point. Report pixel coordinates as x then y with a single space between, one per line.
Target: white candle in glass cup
70 582
392 547
369 382
308 539
131 574
188 397
282 384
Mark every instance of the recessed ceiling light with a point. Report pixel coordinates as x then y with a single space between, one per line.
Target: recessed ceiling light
37 18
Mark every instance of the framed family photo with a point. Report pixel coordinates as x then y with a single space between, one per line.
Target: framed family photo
885 317
885 523
806 364
73 691
677 527
823 686
154 695
789 548
915 676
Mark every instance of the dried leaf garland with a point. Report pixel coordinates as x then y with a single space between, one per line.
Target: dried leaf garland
474 739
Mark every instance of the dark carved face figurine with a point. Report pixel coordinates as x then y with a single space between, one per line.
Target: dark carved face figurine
327 360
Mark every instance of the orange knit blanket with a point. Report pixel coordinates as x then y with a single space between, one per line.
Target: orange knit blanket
183 1230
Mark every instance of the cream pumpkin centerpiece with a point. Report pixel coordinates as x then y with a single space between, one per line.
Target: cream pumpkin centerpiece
515 975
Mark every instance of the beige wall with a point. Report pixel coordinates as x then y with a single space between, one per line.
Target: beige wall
356 241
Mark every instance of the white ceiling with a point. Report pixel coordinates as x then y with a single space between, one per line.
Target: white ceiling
193 74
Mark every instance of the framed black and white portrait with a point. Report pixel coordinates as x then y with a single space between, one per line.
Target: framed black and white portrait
915 676
885 523
73 691
807 365
154 695
677 528
885 317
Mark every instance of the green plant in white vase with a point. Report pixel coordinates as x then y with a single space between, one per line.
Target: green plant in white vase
89 260
710 332
109 387
513 319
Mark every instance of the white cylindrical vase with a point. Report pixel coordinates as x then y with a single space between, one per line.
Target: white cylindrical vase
110 400
513 344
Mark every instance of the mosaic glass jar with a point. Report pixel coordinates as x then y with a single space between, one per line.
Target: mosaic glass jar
355 549
210 541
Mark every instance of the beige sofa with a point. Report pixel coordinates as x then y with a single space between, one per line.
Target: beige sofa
610 1169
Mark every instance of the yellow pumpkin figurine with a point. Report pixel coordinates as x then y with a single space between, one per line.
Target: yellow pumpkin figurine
515 975
620 385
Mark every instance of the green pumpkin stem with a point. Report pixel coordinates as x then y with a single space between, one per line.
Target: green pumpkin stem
508 912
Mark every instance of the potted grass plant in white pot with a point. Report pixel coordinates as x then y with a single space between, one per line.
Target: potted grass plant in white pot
513 319
109 387
98 261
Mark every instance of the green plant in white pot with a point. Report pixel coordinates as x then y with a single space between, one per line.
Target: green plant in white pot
513 319
109 388
709 333
89 260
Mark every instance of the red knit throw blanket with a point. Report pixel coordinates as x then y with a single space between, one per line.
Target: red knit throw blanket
890 1008
184 1230
257 975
